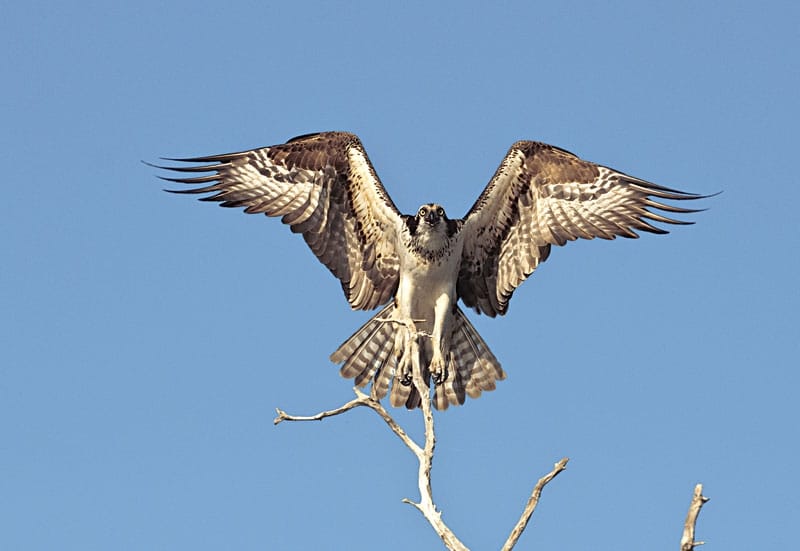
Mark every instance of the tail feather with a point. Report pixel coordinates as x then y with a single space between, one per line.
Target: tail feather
358 352
384 374
399 394
372 353
476 363
453 390
408 397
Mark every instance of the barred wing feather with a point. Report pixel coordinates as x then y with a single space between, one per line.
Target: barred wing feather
325 188
542 196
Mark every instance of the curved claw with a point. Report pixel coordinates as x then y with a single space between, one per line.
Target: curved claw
438 371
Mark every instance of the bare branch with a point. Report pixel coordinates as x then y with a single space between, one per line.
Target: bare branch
698 500
283 416
533 501
360 400
426 506
424 455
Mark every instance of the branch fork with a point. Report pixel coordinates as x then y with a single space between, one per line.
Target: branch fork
424 453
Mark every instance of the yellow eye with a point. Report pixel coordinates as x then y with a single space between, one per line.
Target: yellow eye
440 211
423 211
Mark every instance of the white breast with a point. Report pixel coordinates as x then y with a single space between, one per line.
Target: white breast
425 283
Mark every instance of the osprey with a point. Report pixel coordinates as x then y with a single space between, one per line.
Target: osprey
324 187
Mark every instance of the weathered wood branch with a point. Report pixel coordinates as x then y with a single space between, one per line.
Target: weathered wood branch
360 400
698 500
424 454
533 501
426 506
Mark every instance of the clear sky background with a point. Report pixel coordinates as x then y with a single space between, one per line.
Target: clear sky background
146 338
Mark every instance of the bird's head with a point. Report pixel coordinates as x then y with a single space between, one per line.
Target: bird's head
431 231
431 214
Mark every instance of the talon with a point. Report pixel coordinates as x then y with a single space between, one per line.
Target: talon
438 371
404 371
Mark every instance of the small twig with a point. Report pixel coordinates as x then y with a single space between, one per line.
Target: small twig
283 416
698 500
533 501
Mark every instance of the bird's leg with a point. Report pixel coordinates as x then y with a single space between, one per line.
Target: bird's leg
403 355
438 367
440 339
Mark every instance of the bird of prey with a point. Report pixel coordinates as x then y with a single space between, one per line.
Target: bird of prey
419 266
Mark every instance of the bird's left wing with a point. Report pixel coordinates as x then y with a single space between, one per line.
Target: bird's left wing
323 186
541 196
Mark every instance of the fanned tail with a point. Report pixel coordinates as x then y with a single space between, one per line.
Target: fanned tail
376 353
471 366
372 354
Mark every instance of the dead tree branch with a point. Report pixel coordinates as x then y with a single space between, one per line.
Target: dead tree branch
360 400
426 506
531 505
698 500
424 454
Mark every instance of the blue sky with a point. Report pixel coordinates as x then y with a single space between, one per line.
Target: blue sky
147 338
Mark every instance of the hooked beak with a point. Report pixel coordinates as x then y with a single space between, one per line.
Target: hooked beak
432 217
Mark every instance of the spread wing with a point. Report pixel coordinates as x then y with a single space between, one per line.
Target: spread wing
541 196
324 187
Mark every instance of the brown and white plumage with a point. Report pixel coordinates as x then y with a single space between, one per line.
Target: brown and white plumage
324 187
541 196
